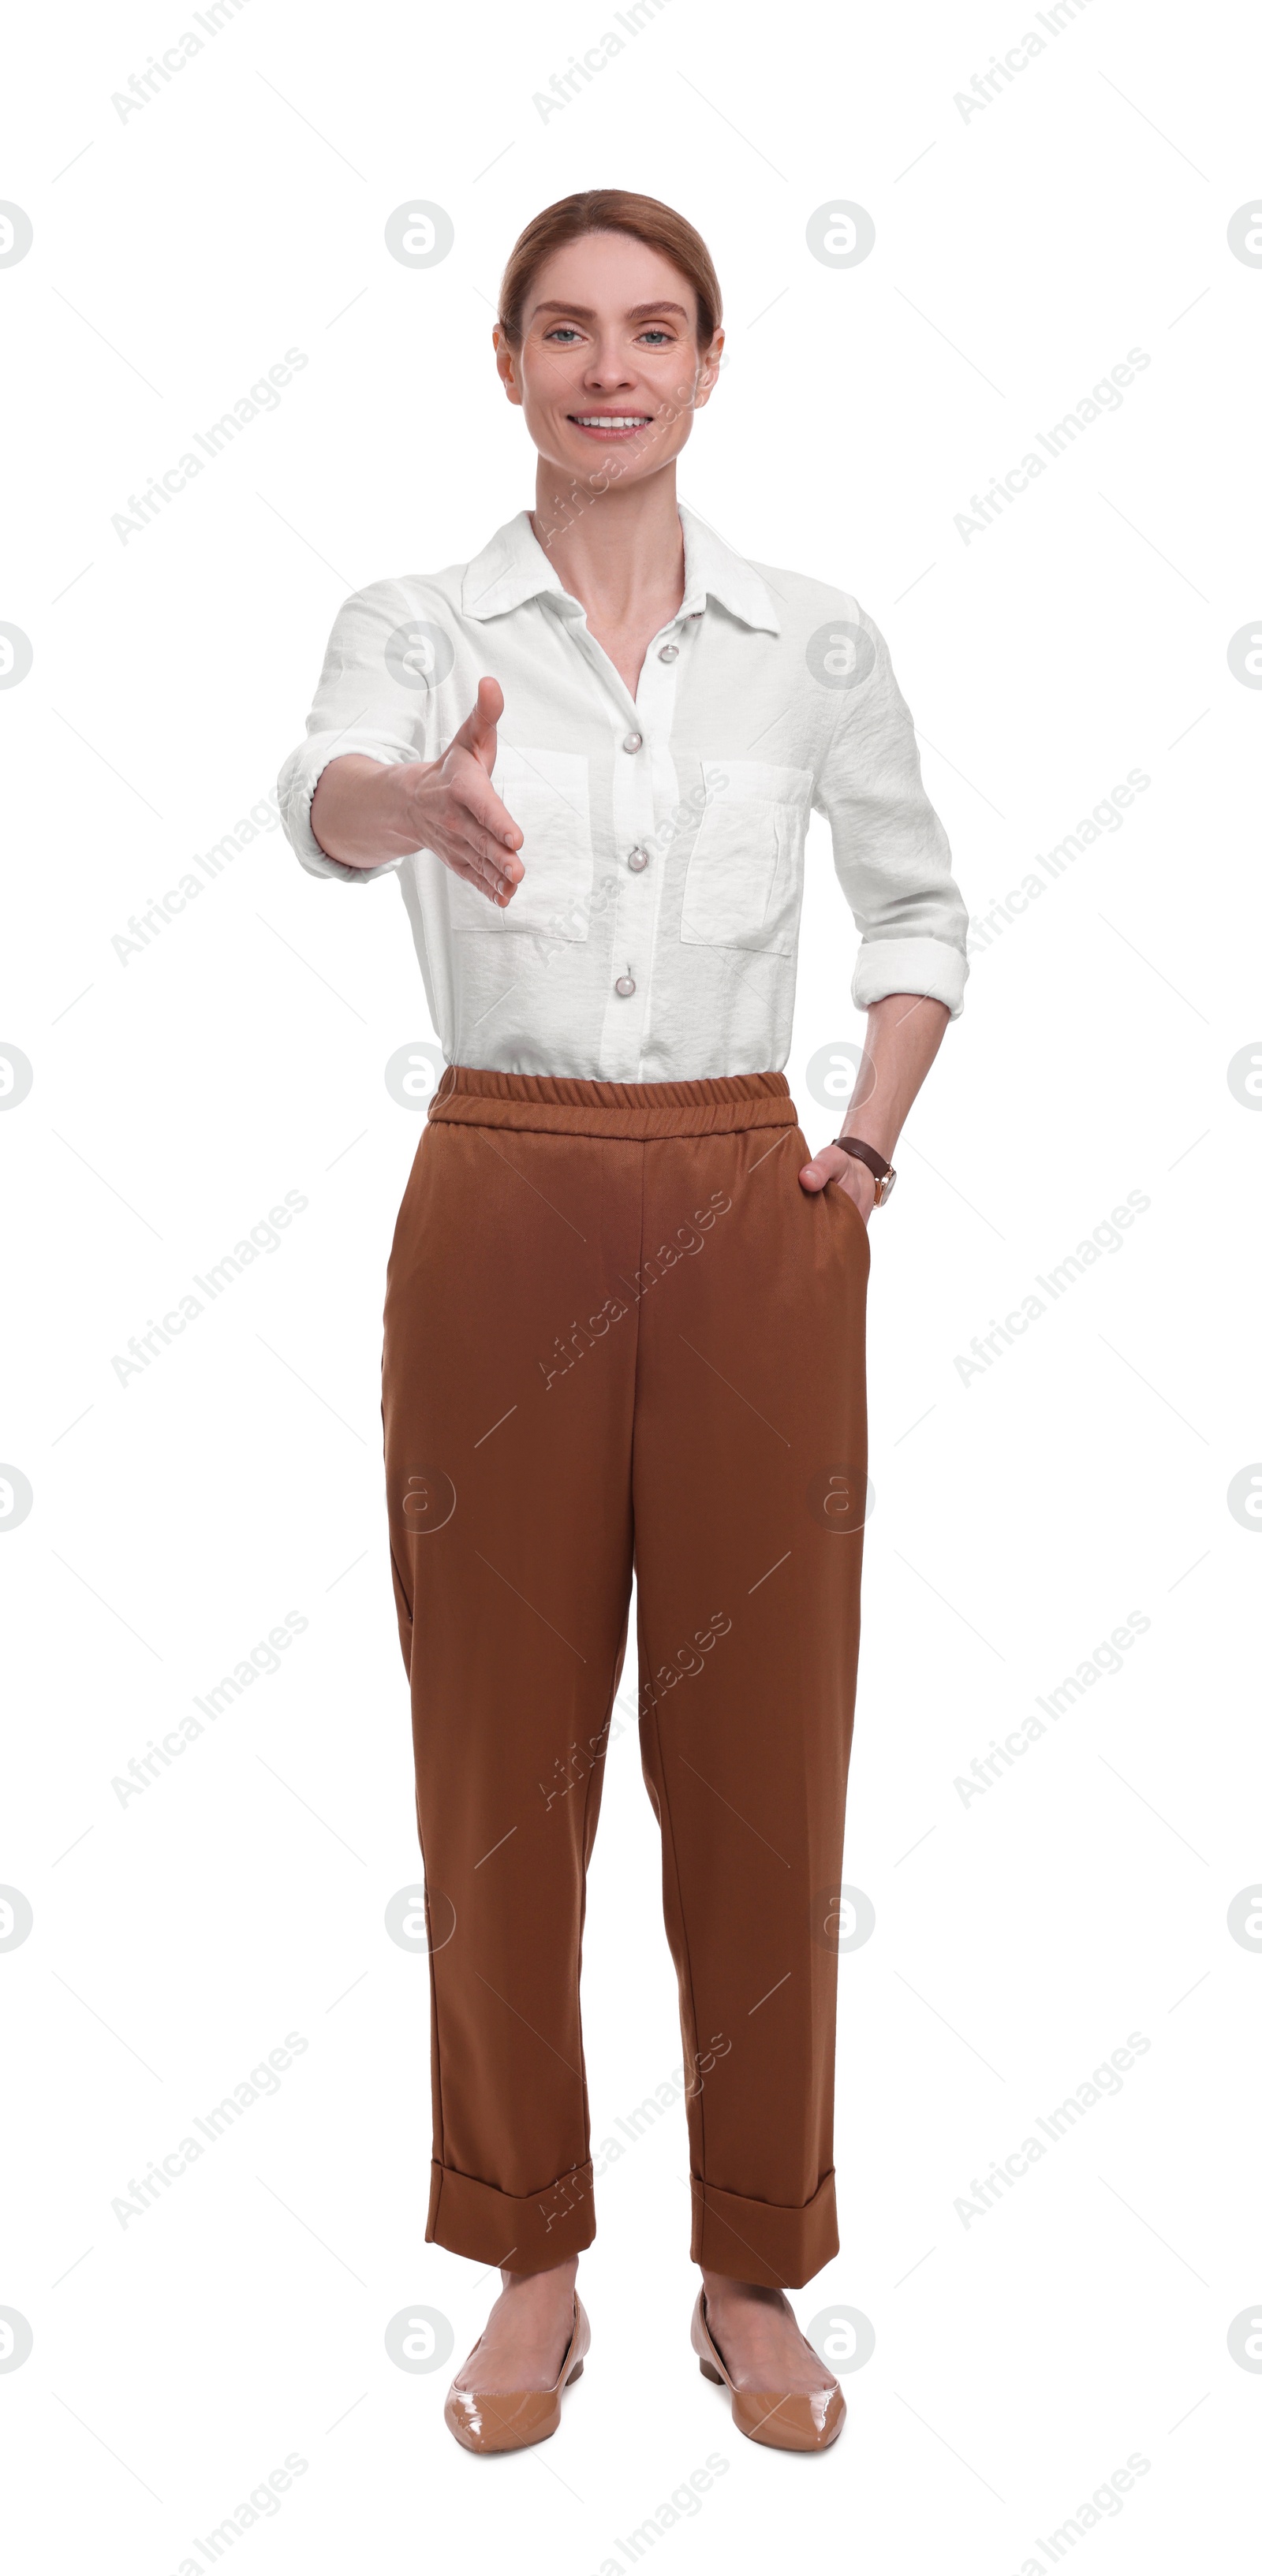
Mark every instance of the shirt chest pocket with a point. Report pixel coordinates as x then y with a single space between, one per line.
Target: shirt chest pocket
743 888
547 794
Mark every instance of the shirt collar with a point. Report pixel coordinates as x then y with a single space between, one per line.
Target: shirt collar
513 568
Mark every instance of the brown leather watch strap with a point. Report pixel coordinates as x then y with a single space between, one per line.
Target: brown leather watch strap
864 1153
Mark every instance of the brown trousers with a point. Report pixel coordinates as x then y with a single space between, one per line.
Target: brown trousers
619 1334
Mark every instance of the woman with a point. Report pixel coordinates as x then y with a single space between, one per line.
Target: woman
625 1309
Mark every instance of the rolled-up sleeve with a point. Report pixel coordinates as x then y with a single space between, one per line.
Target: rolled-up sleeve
359 706
891 854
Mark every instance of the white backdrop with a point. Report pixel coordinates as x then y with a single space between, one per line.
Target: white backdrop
1050 190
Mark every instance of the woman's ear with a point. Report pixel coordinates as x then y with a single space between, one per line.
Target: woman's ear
506 364
708 373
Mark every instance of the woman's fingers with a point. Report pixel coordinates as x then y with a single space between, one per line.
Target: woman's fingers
469 855
486 847
831 1165
473 790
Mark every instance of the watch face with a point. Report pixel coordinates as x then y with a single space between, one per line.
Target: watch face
884 1187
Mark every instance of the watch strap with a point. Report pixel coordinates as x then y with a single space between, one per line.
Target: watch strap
865 1153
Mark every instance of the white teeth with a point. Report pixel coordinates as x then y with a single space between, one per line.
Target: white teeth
612 420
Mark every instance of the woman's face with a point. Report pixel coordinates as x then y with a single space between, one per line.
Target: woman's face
608 359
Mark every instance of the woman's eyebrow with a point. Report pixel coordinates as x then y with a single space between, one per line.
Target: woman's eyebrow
635 312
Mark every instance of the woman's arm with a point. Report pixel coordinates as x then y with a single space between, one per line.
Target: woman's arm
903 1035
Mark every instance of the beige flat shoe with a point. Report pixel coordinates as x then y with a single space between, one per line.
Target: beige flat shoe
782 2421
509 2420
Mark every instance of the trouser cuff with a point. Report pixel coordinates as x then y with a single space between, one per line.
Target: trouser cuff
524 2235
755 2240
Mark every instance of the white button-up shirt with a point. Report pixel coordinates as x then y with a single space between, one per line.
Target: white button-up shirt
653 936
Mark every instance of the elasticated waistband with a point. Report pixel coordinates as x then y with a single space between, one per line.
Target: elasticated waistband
564 1105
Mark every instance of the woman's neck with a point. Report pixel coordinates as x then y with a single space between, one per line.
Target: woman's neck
621 553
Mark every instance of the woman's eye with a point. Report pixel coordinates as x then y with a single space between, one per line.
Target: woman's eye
563 331
655 334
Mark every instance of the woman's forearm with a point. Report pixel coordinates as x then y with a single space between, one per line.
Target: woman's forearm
363 811
904 1032
903 1035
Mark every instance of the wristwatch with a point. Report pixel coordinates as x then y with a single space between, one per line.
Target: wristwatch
883 1173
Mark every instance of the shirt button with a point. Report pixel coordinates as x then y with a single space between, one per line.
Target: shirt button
625 986
632 741
637 861
669 653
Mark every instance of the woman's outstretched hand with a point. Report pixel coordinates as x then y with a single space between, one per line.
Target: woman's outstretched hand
456 811
367 811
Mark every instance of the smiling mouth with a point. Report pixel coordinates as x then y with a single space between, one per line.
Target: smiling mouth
607 421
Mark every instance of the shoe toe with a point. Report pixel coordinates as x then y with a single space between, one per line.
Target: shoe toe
789 2423
506 2421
